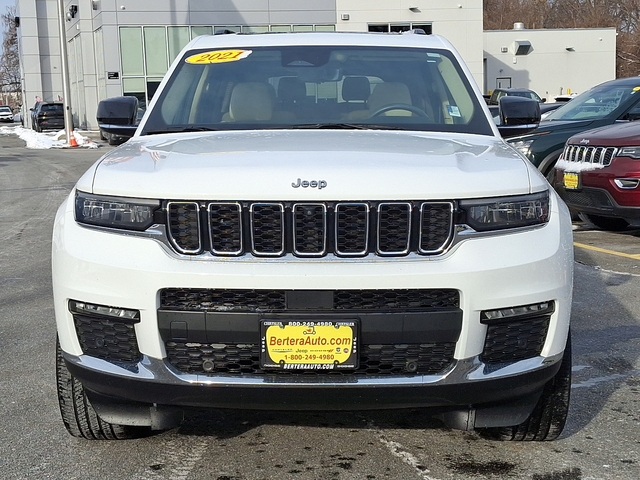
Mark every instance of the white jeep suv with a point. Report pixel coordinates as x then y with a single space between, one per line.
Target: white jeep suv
313 221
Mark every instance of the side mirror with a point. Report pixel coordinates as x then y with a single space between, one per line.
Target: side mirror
544 100
633 114
118 115
518 116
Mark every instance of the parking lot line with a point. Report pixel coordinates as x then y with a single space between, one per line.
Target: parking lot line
610 252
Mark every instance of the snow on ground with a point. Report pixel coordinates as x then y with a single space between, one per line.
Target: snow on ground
46 140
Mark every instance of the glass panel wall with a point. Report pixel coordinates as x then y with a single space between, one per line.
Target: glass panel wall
197 31
100 65
131 51
155 50
178 37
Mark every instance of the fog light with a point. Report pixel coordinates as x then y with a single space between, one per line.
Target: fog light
92 309
627 183
523 311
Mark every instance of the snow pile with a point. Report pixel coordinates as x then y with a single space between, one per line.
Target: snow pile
47 140
575 167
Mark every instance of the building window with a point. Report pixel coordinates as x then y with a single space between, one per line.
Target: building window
155 51
131 51
100 65
177 38
135 87
197 31
400 27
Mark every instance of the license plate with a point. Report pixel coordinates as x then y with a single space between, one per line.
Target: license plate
309 345
571 181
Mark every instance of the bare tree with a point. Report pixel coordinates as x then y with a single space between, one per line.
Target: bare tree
10 82
502 14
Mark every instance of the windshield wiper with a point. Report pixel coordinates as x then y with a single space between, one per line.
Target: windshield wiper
189 128
340 126
304 126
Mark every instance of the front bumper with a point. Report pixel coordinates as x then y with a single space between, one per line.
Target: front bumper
492 272
468 383
597 201
598 193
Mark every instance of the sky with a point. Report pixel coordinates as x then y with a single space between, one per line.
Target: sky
6 3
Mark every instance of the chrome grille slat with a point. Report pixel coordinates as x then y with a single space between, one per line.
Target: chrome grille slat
184 226
352 229
310 229
225 228
436 227
586 154
267 229
394 228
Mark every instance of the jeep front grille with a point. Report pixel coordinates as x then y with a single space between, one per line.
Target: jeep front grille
261 301
584 154
375 360
313 229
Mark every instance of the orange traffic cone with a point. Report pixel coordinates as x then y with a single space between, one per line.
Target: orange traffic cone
72 139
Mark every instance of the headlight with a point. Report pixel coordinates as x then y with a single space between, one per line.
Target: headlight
507 212
522 146
631 152
115 212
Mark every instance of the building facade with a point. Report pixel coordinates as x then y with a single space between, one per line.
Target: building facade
124 47
551 62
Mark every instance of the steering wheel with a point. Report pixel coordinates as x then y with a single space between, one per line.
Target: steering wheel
399 106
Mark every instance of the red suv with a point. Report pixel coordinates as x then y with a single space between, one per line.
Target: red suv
598 175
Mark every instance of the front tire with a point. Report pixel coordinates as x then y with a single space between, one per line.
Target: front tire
549 416
113 139
79 416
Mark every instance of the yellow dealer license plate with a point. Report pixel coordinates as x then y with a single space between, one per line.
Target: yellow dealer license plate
571 181
309 345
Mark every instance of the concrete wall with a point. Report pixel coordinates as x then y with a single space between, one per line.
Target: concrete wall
560 61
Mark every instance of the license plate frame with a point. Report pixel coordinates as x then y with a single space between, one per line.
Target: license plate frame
571 180
321 345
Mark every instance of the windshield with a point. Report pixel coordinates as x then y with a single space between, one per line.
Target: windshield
595 103
5 109
318 87
531 95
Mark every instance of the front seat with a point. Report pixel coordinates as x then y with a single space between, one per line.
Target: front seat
355 92
251 102
384 94
292 96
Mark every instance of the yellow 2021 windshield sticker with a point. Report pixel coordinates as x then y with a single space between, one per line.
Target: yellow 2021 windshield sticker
219 56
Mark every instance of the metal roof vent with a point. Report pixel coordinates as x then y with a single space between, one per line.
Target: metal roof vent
518 26
522 47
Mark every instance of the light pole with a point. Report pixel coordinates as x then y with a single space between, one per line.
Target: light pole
66 88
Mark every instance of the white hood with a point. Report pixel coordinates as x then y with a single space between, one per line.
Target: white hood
354 165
